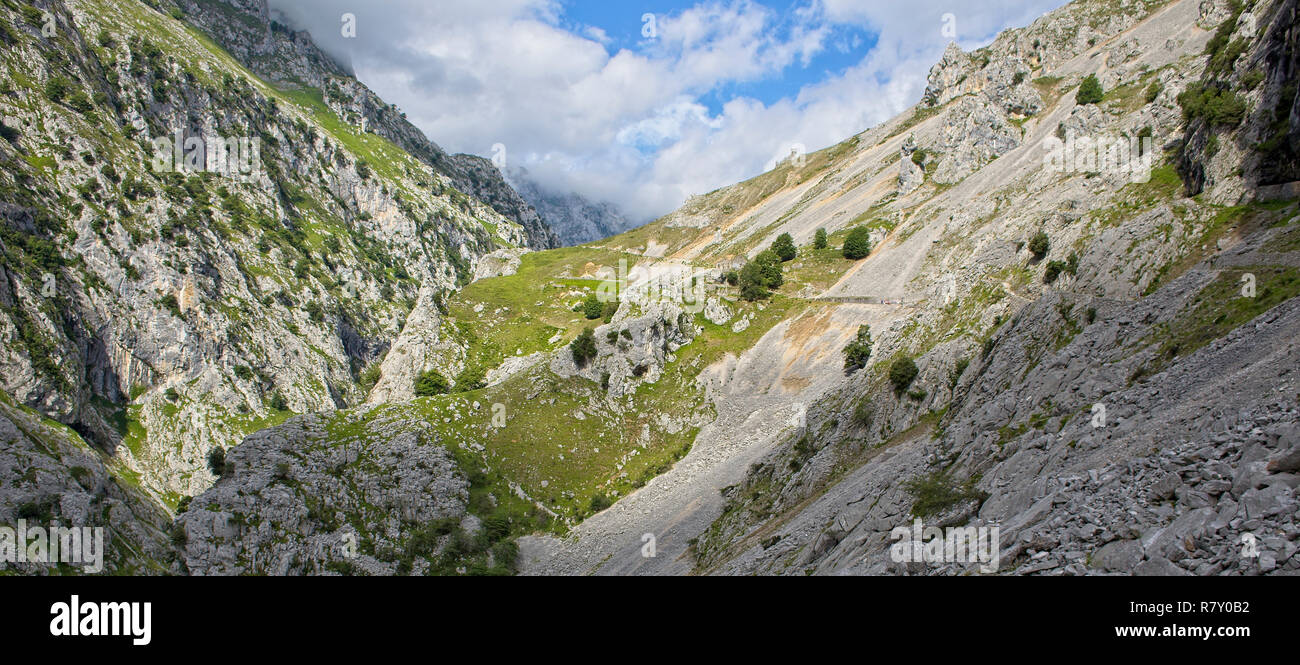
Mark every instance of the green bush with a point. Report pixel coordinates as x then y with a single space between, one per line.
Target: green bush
1054 270
471 378
902 373
600 502
592 307
584 347
56 89
858 244
1090 91
752 286
936 492
1040 245
820 239
217 462
769 264
784 248
370 375
858 352
1214 104
431 383
170 304
1153 91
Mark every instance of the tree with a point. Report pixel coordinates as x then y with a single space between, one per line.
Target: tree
819 240
858 244
858 352
217 461
752 286
592 307
1039 245
769 264
1090 91
902 373
431 383
584 347
784 247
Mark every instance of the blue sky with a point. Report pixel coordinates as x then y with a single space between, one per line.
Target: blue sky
624 30
576 94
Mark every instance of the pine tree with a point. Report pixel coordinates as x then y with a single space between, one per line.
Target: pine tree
784 247
858 244
1090 91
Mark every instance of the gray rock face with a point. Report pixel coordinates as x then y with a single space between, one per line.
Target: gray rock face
633 348
175 307
50 478
296 501
977 133
910 175
292 58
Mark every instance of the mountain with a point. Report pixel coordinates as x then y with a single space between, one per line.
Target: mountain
194 250
1070 314
575 219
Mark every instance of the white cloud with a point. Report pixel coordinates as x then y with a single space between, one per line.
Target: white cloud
630 126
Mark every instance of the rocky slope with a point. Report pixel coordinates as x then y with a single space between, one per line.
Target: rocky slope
164 300
1131 302
1104 351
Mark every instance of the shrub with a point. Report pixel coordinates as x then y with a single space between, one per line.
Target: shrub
1215 105
80 103
471 378
584 347
863 414
431 383
56 89
732 277
936 492
1040 245
592 307
1154 91
820 240
170 304
217 461
752 286
958 370
370 376
784 247
902 373
608 311
858 244
1090 91
1054 270
858 352
769 264
8 133
600 502
278 403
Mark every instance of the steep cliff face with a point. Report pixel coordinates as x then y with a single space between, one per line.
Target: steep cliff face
292 60
1243 116
193 252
